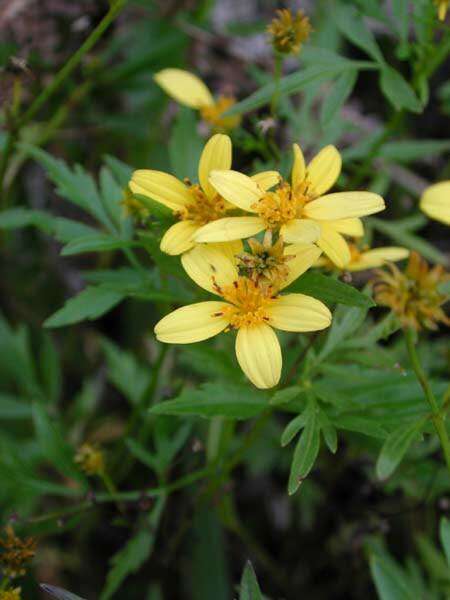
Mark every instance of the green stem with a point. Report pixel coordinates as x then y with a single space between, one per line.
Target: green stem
436 414
57 82
276 77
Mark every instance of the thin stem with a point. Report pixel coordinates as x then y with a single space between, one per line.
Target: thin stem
276 77
436 414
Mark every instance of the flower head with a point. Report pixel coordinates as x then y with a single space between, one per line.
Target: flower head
15 553
194 205
289 32
442 6
362 259
300 210
189 90
90 459
435 202
413 294
251 305
265 261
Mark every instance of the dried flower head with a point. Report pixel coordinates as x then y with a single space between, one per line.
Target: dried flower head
11 594
413 294
90 459
289 32
15 553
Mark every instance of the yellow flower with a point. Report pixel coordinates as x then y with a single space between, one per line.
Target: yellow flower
253 307
361 260
12 594
435 202
194 204
189 90
298 210
413 295
288 33
442 6
90 459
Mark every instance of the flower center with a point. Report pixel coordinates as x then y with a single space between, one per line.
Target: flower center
212 114
284 204
202 209
249 300
265 262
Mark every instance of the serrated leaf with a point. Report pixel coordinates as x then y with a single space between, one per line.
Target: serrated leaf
134 554
249 588
215 400
305 452
396 446
398 91
330 290
341 90
90 304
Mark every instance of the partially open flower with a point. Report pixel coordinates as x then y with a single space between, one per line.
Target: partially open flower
365 258
15 553
413 294
289 32
252 307
91 459
435 202
442 6
189 90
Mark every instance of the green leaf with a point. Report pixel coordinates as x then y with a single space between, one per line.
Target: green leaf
12 407
288 85
362 425
215 400
50 368
125 372
338 95
157 210
346 321
111 194
330 290
121 171
52 443
306 451
185 145
90 304
404 151
286 395
353 27
444 535
390 580
293 427
396 446
133 555
399 93
249 588
58 592
15 218
98 242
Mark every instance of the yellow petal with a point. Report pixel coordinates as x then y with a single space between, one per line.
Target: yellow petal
324 169
377 257
344 205
231 249
162 187
259 355
207 264
266 179
192 323
305 256
298 167
237 188
301 231
334 246
229 228
184 87
216 155
350 227
297 312
435 202
178 238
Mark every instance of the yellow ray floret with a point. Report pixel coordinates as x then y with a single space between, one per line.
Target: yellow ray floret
189 90
361 260
301 211
194 205
435 202
252 306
